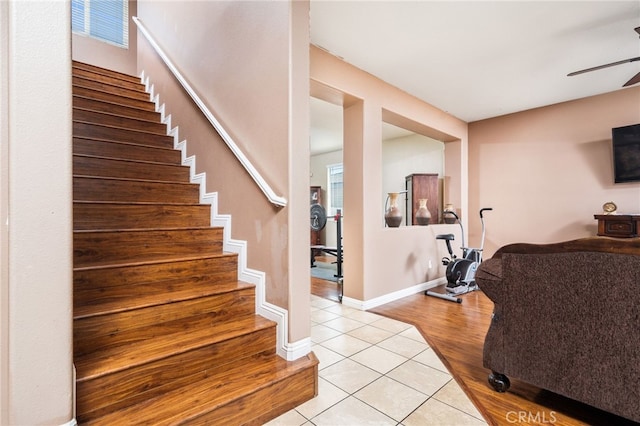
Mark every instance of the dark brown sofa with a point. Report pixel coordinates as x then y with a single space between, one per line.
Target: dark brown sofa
567 319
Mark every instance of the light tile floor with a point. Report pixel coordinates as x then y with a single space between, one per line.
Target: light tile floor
376 371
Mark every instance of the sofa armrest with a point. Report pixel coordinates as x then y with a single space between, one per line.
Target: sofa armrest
489 277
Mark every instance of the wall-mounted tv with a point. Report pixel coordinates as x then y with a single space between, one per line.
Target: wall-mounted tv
626 153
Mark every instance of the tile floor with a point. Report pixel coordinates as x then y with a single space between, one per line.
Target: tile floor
377 371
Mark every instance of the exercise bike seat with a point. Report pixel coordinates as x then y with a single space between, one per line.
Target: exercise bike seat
447 237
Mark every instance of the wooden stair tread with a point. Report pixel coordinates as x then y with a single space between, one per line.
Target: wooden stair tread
119 305
100 265
98 247
98 77
131 180
203 331
100 81
125 168
114 104
136 203
104 71
116 231
239 378
142 262
111 118
111 126
130 144
95 94
121 150
111 87
96 130
93 188
88 216
104 105
130 160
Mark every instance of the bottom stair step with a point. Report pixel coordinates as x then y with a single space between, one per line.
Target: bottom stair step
169 340
258 388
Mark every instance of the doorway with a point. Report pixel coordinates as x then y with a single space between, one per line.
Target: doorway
326 184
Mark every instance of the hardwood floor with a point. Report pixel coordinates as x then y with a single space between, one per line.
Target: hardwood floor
323 288
456 332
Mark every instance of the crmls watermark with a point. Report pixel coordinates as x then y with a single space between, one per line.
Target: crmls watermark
523 417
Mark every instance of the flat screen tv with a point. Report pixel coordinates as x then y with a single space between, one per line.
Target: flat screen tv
626 153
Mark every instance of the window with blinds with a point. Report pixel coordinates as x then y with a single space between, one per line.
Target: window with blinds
335 188
106 20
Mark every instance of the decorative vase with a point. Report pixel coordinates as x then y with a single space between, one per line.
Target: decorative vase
393 215
449 219
423 215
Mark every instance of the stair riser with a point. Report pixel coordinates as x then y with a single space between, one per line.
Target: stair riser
144 104
97 131
111 80
93 333
109 119
105 289
105 87
98 189
128 216
263 405
95 70
106 167
147 381
158 278
125 151
113 108
91 248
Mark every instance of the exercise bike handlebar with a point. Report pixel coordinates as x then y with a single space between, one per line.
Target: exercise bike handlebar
485 209
482 210
459 223
482 222
452 213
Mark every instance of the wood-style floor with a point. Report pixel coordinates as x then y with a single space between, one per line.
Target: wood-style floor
456 332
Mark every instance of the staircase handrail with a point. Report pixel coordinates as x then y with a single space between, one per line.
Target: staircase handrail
257 177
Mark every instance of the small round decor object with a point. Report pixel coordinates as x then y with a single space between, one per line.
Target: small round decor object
609 207
318 217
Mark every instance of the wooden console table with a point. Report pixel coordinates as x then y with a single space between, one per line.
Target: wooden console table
618 225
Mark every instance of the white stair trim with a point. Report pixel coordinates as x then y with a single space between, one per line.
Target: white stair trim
286 350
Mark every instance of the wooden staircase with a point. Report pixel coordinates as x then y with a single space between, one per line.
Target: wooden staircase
164 333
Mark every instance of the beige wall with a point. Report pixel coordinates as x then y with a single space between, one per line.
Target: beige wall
36 373
298 162
379 260
547 171
248 61
96 52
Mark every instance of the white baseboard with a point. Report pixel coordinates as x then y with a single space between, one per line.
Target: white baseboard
390 297
287 350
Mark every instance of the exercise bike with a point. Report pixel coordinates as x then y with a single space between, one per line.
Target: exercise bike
461 271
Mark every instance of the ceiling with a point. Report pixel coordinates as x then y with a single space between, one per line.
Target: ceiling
479 59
